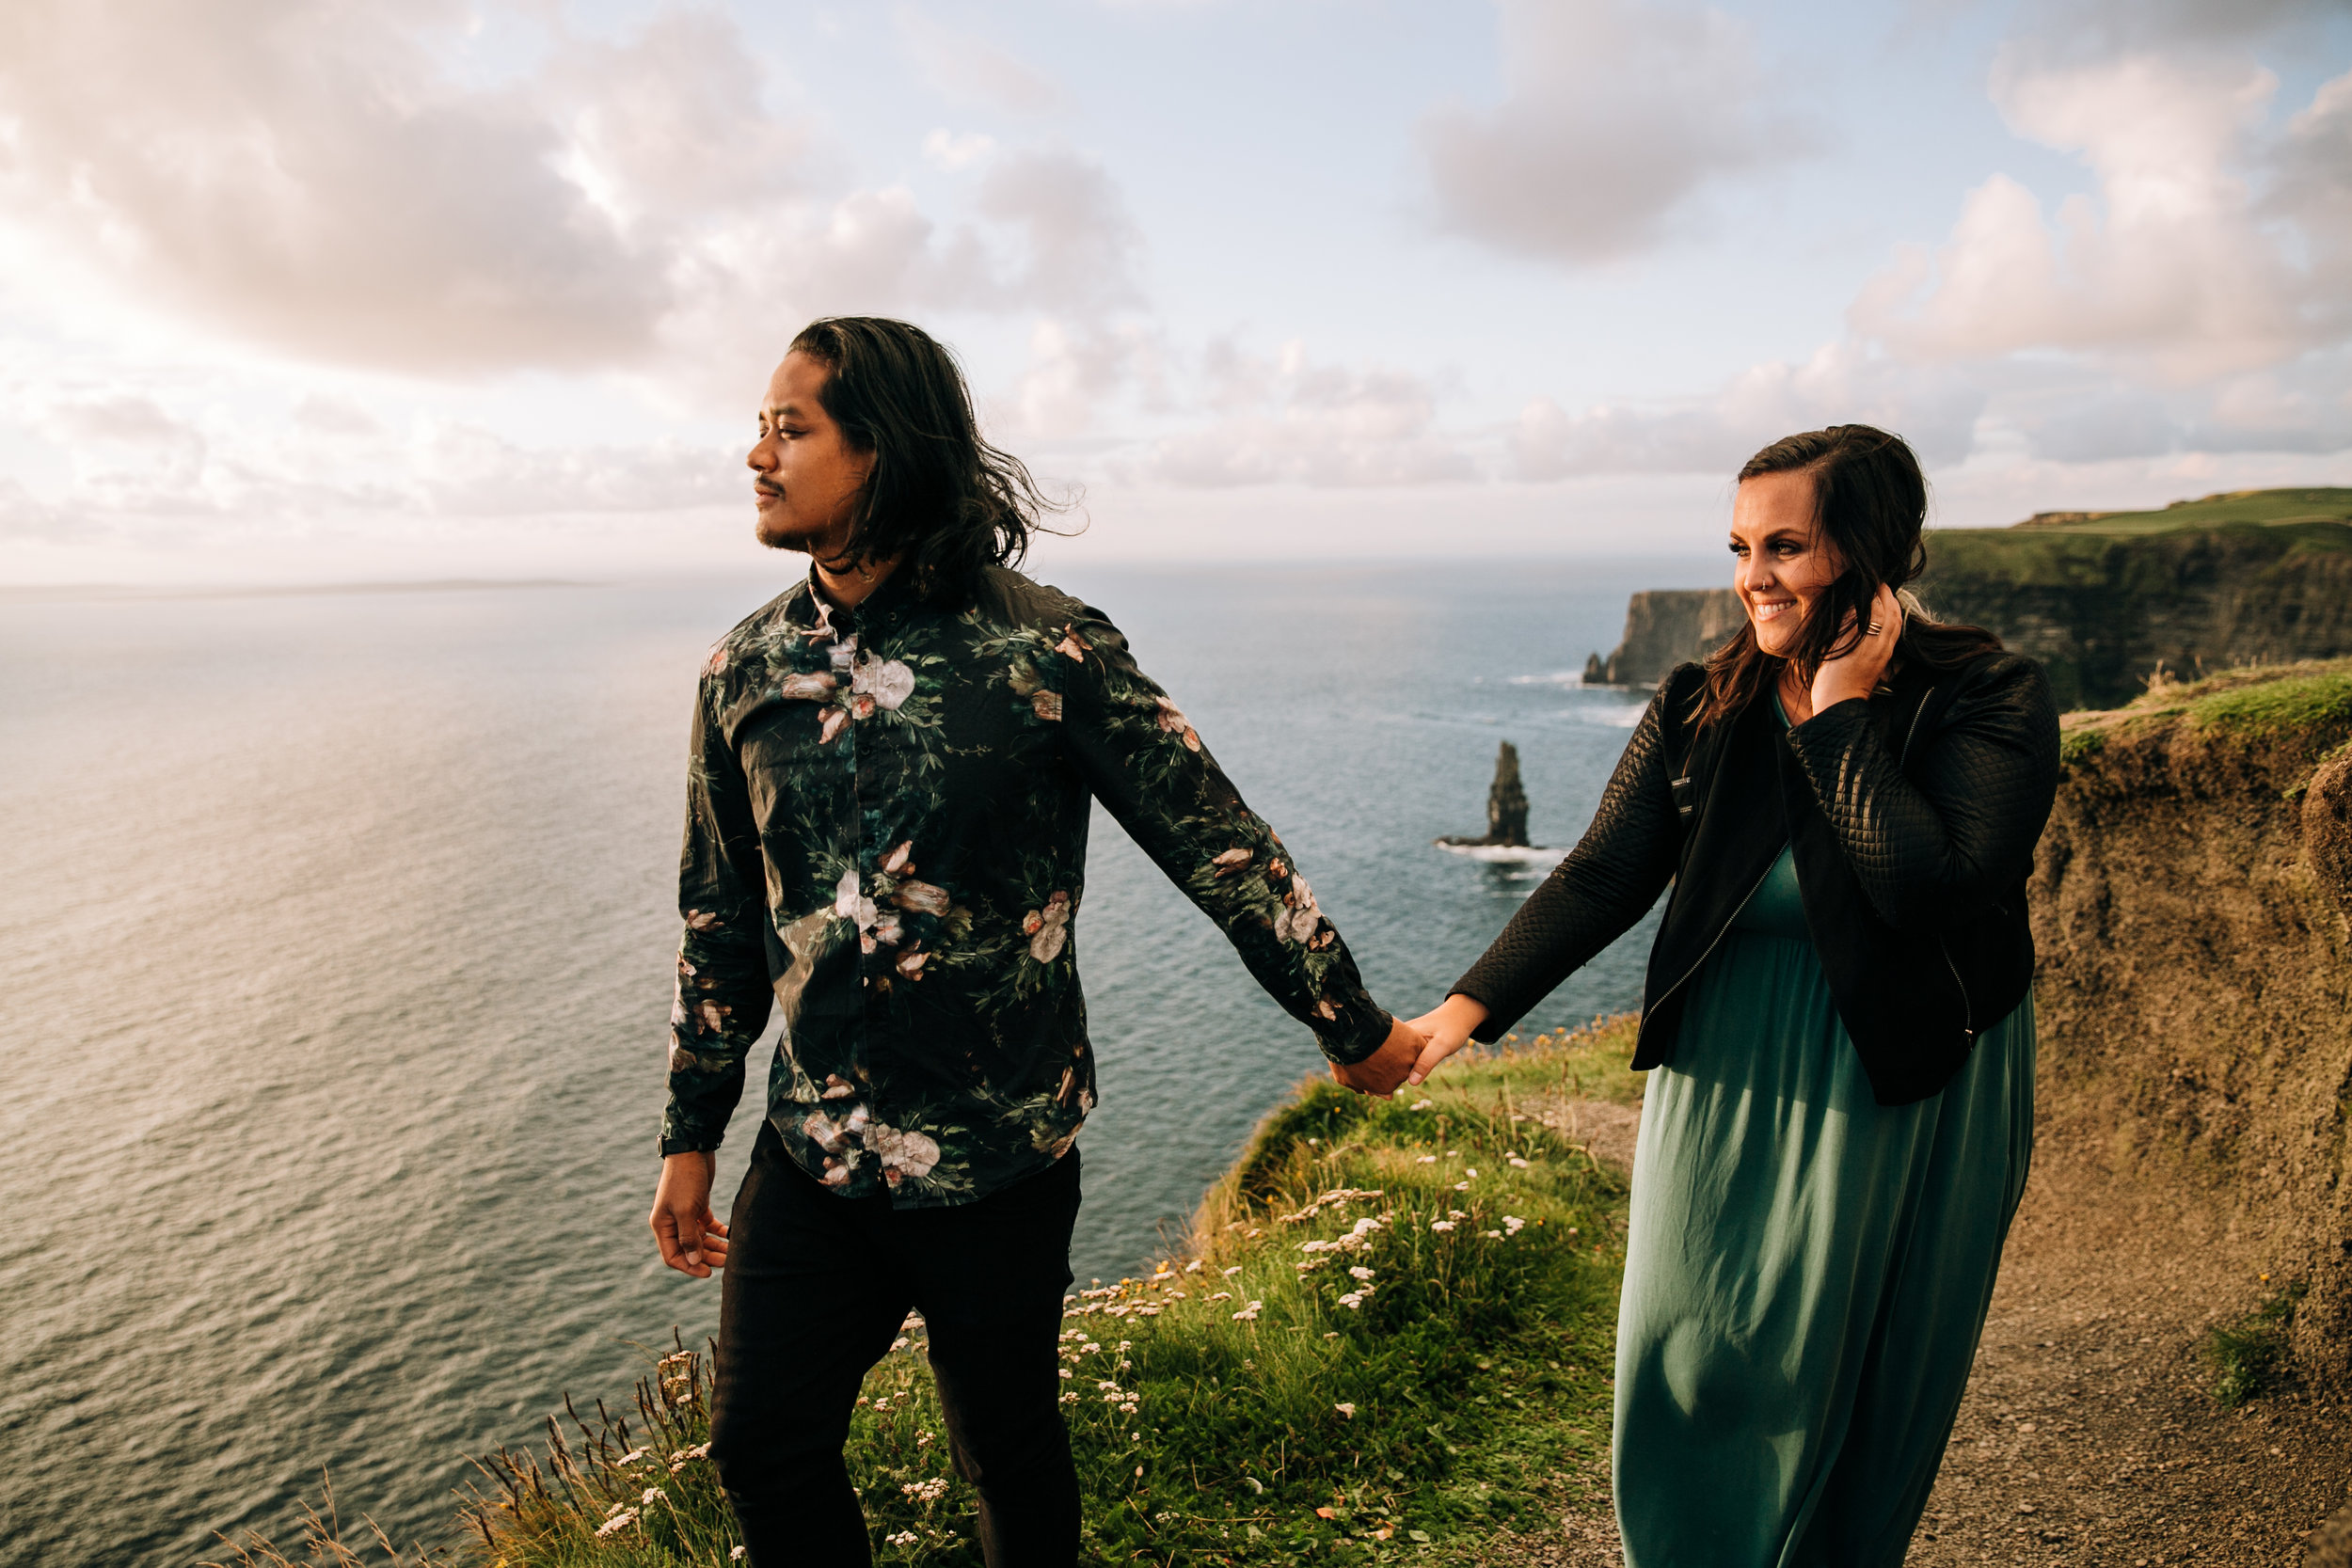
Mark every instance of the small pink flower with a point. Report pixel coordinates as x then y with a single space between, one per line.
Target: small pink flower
1047 706
1072 647
897 859
921 897
861 706
701 920
834 719
1172 721
812 688
910 965
1230 861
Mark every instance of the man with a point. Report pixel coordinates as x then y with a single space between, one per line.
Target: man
887 823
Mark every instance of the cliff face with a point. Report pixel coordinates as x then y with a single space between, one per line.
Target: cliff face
2100 612
2195 984
1666 627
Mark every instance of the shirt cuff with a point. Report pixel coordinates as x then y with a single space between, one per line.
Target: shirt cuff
1354 1045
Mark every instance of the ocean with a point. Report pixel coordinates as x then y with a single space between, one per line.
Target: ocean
335 943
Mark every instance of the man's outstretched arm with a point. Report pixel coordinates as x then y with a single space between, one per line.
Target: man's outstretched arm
1146 764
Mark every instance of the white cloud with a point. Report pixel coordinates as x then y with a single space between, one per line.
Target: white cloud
2211 250
1287 421
955 151
970 70
1841 384
1617 118
308 177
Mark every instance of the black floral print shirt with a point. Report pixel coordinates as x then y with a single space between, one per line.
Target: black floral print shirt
887 830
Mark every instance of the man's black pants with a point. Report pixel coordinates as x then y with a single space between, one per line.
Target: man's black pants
816 1286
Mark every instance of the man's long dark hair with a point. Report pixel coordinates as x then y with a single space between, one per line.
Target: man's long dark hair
939 495
1869 506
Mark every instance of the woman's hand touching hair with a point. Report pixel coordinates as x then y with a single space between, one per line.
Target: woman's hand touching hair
1856 672
1448 1026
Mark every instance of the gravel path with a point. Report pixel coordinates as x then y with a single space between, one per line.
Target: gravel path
2090 1435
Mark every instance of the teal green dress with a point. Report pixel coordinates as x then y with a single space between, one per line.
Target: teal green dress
1806 1270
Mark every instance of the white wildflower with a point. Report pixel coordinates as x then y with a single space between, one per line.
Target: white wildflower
1518 1163
1441 1224
903 1539
1428 1160
1425 1104
1347 1410
1234 1269
618 1523
1361 1271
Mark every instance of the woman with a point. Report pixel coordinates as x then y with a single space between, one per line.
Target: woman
1846 799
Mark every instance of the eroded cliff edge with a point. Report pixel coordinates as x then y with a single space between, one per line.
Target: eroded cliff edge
2191 907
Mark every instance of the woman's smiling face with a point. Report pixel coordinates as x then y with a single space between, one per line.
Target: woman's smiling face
1783 561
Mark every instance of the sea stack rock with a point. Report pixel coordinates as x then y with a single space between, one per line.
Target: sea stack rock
1506 807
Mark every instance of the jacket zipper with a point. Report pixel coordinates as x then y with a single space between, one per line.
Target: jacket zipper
1717 943
1968 1008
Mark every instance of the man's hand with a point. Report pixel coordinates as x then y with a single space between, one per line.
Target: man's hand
1385 1069
691 1239
1448 1026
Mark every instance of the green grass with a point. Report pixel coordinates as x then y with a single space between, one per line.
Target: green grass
2248 1355
1233 1405
2269 508
2304 708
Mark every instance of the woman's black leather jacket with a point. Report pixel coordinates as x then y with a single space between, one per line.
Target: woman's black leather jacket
1913 817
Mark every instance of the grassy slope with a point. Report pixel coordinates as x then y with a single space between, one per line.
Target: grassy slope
1231 1407
2300 711
2266 507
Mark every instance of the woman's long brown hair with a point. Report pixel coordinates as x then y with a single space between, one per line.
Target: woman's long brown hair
1869 506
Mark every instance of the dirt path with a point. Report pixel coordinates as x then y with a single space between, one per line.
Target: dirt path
2089 1434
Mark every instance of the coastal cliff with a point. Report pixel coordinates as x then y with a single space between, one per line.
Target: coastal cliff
2102 600
2190 904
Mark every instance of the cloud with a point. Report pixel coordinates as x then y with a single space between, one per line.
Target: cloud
955 151
1617 118
2212 247
971 70
1285 421
317 180
1841 384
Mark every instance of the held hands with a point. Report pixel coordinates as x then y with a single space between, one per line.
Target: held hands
1448 1026
1385 1069
1857 674
691 1239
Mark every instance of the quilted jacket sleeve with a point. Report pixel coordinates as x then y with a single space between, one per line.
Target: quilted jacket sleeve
1941 843
1607 882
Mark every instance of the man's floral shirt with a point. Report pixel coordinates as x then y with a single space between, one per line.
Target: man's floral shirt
887 830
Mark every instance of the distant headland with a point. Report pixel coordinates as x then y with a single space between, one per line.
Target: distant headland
2104 600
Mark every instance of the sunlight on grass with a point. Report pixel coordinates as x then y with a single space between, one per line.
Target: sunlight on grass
1390 1335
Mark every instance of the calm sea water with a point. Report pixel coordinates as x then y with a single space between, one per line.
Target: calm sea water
335 938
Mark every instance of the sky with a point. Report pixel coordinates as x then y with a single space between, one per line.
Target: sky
315 290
